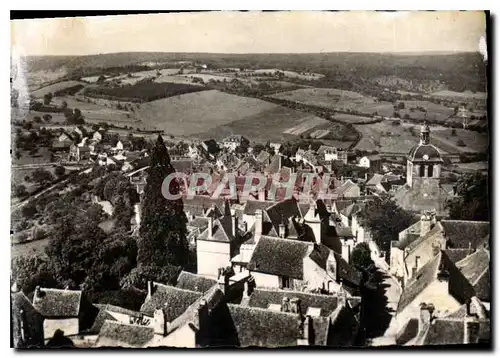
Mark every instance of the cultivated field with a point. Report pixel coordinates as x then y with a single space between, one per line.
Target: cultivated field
336 99
36 79
176 79
100 111
434 111
56 87
387 138
306 125
272 125
474 141
292 74
199 112
464 95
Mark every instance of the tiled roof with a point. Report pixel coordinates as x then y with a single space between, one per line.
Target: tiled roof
476 269
451 331
264 328
458 287
199 222
281 257
194 282
263 298
460 232
252 205
375 180
341 190
347 272
53 302
104 315
222 231
344 326
456 255
283 211
115 334
174 301
416 243
408 332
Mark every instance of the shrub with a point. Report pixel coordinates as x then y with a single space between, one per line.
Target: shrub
460 143
60 170
454 132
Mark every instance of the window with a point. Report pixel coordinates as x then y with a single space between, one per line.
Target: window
422 171
430 171
285 282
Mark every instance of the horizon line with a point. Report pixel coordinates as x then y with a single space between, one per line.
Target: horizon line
415 53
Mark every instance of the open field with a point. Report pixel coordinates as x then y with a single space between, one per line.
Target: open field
474 141
36 79
388 138
434 111
336 99
29 248
465 95
270 124
199 112
305 125
100 112
56 87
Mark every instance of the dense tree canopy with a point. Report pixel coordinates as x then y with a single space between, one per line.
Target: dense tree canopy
385 220
162 238
472 201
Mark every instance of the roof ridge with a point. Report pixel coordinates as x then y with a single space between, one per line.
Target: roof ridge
260 309
480 276
175 287
118 323
467 221
292 291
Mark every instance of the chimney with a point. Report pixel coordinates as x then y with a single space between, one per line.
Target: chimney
295 305
38 295
210 227
282 230
234 220
471 331
245 226
160 322
258 224
417 261
425 318
425 224
224 276
341 295
285 304
249 286
151 289
305 335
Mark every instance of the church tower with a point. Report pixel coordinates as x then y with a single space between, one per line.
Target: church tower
424 162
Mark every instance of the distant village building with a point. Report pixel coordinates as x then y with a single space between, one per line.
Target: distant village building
372 161
235 141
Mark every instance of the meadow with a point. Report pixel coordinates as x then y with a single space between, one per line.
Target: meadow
57 87
199 112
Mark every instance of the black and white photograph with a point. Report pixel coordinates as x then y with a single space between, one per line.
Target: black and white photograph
284 179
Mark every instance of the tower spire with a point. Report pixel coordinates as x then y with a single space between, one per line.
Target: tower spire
425 133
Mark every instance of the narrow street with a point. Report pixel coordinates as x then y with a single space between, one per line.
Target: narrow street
392 291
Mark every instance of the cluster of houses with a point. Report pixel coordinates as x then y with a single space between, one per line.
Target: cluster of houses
278 272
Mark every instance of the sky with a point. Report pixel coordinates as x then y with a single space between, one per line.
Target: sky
253 32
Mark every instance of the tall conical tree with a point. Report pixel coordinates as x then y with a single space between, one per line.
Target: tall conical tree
162 235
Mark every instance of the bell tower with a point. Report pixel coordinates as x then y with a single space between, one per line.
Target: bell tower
424 161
